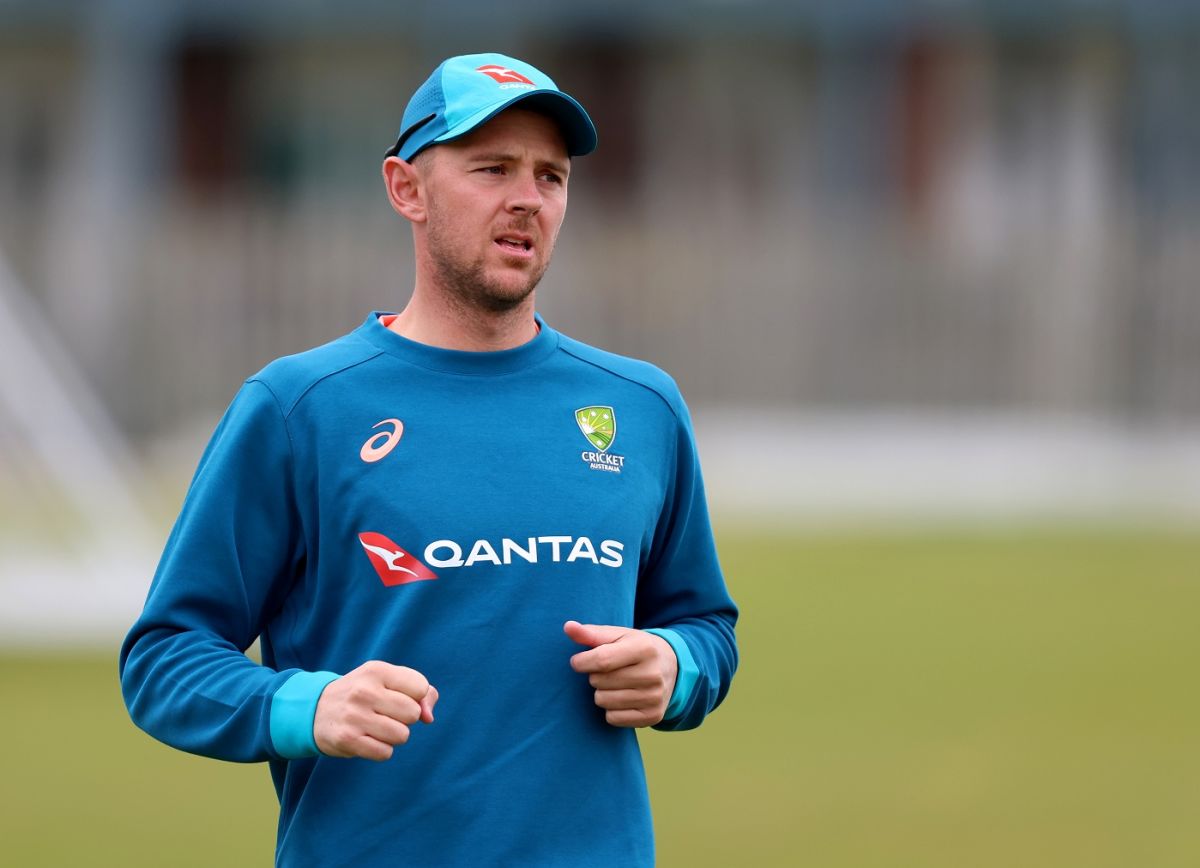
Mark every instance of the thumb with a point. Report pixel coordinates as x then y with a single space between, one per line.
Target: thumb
428 703
593 634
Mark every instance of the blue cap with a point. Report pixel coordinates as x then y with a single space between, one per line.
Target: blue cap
470 89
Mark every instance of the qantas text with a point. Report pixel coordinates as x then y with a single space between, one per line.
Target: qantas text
448 553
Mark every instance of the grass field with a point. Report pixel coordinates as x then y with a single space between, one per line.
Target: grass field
926 700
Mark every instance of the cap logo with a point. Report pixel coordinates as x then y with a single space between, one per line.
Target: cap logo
504 75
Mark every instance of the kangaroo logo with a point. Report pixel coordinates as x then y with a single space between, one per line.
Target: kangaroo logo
394 565
503 75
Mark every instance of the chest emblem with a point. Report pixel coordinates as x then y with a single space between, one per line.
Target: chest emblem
598 424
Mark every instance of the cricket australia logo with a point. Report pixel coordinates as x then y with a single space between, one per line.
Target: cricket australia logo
599 427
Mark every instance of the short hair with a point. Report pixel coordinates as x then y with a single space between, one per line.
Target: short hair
422 160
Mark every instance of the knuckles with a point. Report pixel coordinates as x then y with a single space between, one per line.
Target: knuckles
377 751
378 672
409 714
625 718
599 659
362 694
630 678
416 684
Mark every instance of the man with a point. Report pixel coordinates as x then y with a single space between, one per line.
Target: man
454 506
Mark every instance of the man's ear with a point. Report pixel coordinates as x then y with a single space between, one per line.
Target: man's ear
405 189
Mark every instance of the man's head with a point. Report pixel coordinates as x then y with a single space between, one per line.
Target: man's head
480 170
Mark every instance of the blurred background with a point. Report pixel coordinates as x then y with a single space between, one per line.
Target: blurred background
927 274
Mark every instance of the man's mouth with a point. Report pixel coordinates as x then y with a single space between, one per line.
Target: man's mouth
515 243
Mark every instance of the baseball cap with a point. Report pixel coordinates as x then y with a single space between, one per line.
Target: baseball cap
471 89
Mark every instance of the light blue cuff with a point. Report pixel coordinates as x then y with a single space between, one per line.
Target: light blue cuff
293 708
688 673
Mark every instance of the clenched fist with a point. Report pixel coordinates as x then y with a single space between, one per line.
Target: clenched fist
368 711
633 672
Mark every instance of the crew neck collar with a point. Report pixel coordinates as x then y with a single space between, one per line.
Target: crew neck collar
480 364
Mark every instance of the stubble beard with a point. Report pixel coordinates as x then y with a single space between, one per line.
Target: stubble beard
467 282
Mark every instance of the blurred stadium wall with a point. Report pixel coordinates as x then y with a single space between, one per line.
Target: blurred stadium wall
906 260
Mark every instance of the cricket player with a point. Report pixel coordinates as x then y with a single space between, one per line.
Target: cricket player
476 552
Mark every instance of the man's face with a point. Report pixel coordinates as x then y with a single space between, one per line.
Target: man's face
496 199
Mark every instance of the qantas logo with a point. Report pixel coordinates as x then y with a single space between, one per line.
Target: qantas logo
379 445
394 565
553 549
504 75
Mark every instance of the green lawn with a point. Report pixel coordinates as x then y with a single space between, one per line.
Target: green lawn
1002 699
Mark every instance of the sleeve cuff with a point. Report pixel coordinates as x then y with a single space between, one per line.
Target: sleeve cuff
688 673
293 708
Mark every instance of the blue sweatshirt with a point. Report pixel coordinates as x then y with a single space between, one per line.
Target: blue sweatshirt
379 499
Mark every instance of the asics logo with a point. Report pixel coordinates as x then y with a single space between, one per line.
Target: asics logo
503 75
393 564
379 445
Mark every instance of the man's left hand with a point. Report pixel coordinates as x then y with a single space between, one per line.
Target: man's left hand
632 671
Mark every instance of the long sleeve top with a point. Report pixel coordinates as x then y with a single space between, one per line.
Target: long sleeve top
380 499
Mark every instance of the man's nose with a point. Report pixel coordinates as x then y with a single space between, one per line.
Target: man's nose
525 195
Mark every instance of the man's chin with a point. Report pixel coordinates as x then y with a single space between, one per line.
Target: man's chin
509 289
497 290
488 293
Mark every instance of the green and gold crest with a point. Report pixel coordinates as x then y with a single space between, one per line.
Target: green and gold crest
599 426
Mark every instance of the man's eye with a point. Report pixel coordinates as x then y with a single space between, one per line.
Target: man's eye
494 170
552 177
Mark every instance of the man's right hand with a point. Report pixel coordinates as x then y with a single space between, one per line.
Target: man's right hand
368 711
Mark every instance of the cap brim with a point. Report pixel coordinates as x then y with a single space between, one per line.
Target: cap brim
579 133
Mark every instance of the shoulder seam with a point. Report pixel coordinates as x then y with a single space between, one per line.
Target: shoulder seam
282 415
257 378
608 370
